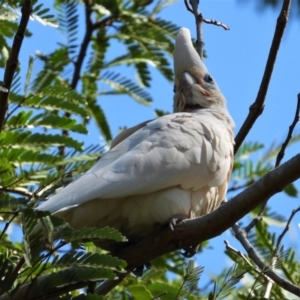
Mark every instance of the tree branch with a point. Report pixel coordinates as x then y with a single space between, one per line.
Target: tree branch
199 21
84 44
258 106
279 157
90 27
217 23
188 232
275 253
22 192
281 153
246 260
79 62
241 236
12 61
193 232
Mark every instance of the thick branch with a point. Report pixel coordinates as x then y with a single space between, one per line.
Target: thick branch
258 106
12 61
193 232
189 232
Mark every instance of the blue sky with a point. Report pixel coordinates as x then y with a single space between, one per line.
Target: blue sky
236 59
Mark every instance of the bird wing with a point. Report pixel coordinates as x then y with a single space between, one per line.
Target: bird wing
181 149
124 134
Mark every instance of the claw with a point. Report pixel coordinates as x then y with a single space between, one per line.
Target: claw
190 251
176 220
139 271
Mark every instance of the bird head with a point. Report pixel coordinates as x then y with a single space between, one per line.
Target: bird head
194 86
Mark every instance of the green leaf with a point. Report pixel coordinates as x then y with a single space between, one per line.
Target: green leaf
57 122
80 259
72 274
68 21
93 233
140 292
19 120
122 85
28 140
100 119
7 201
29 73
41 15
7 275
291 190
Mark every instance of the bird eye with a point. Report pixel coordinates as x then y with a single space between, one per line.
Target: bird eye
208 79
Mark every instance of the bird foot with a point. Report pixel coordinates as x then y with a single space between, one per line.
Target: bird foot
139 271
190 251
177 219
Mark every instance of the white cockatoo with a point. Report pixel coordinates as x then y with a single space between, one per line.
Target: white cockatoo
174 167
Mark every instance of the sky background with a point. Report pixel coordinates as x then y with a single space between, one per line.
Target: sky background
236 59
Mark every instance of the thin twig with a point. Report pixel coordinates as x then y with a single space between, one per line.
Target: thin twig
245 259
8 223
239 253
217 23
275 254
79 62
193 8
237 187
84 44
16 191
14 109
241 236
12 61
188 6
286 228
280 156
254 221
90 27
281 153
199 22
258 106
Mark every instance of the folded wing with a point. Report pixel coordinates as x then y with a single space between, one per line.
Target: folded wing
183 149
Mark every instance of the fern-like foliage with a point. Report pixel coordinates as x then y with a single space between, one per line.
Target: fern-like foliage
251 164
226 284
54 97
191 279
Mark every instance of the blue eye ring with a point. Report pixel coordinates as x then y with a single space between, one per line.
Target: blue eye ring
208 79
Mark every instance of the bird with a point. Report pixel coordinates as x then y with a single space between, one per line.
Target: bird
163 170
